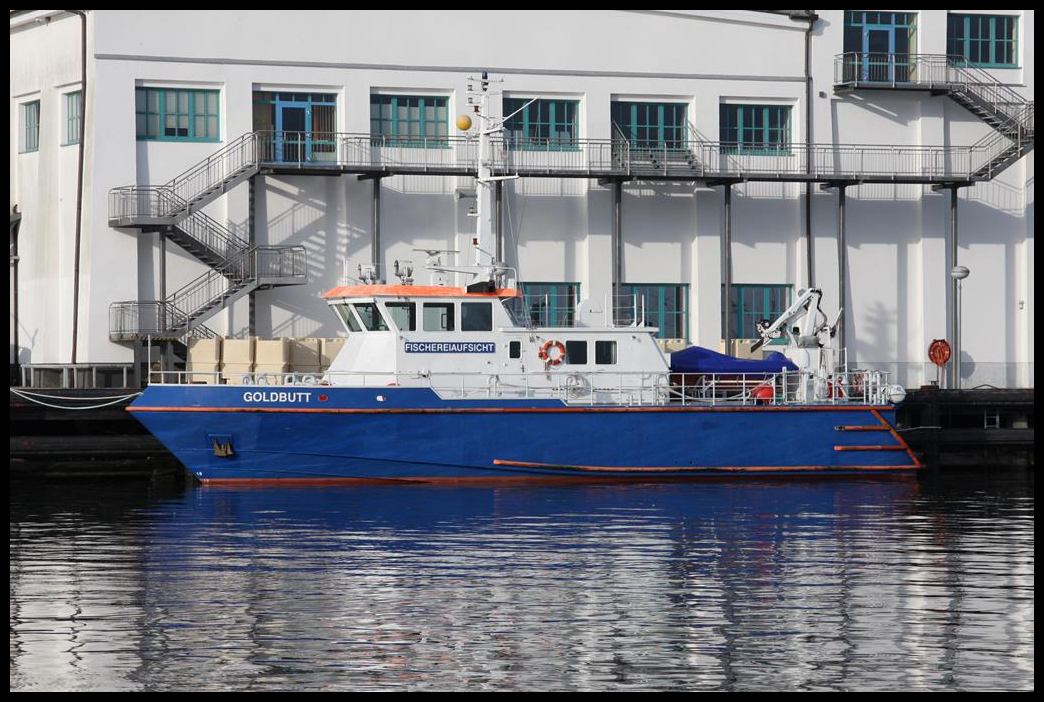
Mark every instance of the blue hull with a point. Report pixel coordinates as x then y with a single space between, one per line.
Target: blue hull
230 434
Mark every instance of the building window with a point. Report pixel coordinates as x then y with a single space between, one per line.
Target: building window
759 130
983 40
551 304
541 125
410 120
73 113
749 304
177 115
30 132
664 306
651 125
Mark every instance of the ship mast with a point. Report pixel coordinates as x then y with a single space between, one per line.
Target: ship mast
486 270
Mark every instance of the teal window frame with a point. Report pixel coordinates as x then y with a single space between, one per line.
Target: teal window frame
666 307
751 303
30 139
199 112
755 130
415 121
73 113
541 125
960 39
550 304
652 125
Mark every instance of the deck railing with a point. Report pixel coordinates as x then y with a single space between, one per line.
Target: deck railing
599 388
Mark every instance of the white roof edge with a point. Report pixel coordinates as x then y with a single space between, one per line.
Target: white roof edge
34 17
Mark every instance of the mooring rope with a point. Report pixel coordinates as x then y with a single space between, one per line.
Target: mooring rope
31 397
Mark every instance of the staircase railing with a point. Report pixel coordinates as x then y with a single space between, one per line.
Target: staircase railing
178 315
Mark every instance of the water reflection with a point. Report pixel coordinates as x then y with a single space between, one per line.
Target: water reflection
830 584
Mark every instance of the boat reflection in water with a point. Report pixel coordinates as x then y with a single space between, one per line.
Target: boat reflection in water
853 583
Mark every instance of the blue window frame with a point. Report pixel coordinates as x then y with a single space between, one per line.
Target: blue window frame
878 45
410 120
989 41
164 114
749 304
652 125
72 114
760 130
665 307
550 304
299 127
541 125
30 133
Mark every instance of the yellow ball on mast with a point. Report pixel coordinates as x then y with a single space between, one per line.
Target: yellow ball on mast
464 123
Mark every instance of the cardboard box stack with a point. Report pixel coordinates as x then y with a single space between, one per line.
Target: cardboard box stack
237 359
204 360
305 357
271 359
330 349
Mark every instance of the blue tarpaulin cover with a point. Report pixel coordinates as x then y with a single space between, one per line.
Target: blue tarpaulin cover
697 359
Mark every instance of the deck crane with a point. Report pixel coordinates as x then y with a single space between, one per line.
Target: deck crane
809 337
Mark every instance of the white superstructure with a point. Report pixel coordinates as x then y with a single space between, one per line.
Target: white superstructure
343 73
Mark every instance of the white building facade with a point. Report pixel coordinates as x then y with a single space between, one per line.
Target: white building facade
167 89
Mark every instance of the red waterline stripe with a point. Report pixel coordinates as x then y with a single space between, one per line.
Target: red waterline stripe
692 469
529 479
508 410
869 448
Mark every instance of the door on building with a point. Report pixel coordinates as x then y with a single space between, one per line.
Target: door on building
879 46
295 127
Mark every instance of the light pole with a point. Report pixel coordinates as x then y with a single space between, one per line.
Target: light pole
958 273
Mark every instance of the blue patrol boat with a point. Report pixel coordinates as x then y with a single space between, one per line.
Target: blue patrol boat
437 383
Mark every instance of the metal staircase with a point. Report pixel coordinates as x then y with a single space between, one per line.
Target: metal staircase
1009 114
183 312
237 267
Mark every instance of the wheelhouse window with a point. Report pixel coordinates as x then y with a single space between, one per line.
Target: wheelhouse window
664 306
652 126
347 317
410 120
476 316
749 304
177 115
541 125
756 130
403 315
988 41
576 353
605 353
30 132
370 316
550 304
438 316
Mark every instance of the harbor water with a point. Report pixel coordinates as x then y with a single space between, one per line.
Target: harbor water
915 583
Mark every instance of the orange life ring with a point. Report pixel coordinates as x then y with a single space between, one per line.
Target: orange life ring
546 357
